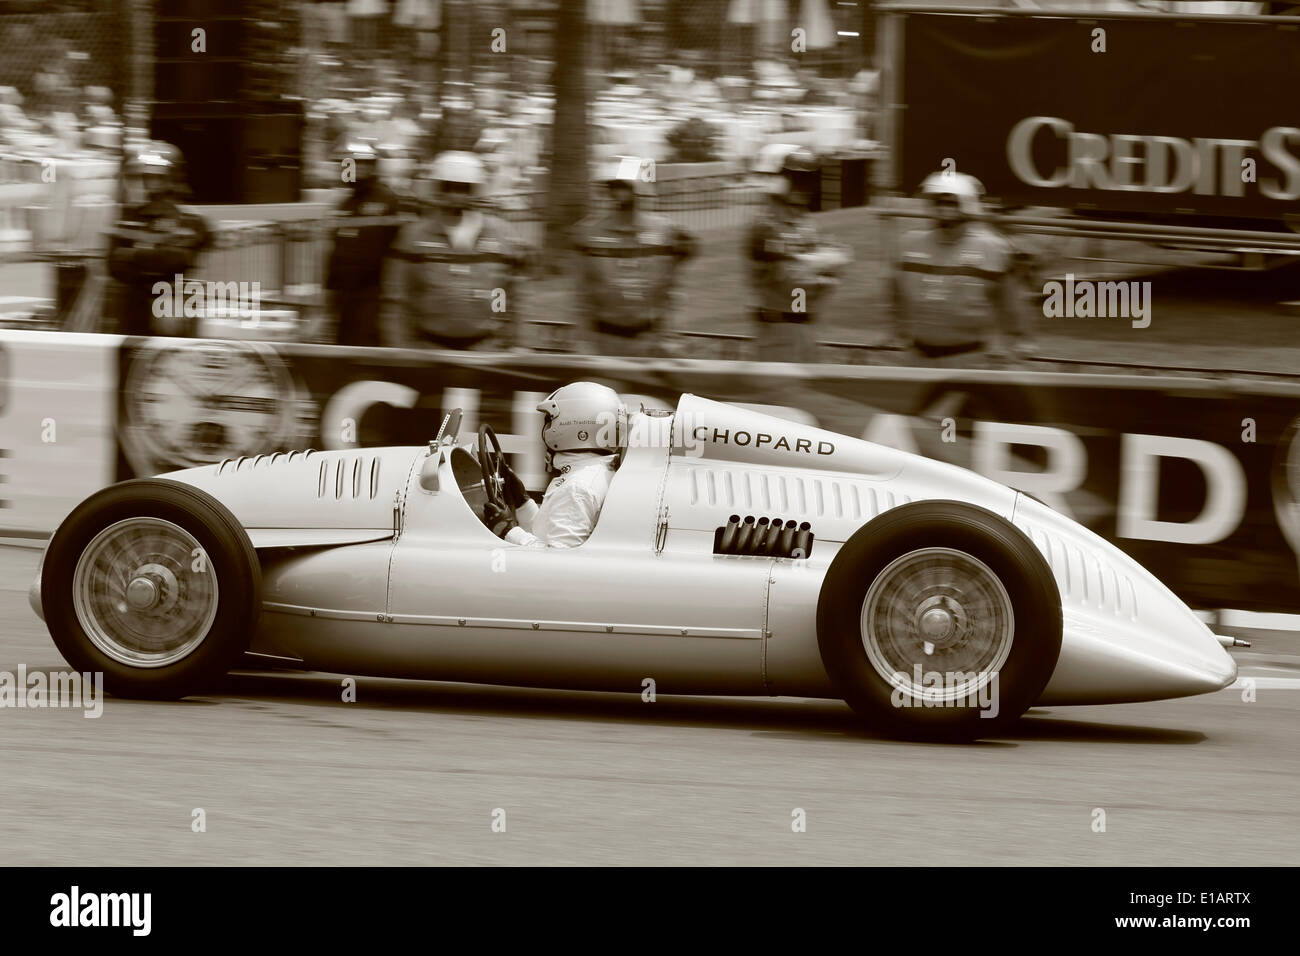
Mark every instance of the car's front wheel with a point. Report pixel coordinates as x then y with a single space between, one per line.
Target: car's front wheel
939 620
155 584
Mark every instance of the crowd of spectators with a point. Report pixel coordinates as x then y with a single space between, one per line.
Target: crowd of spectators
419 257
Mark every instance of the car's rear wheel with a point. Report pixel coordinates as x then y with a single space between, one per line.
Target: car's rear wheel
155 584
939 620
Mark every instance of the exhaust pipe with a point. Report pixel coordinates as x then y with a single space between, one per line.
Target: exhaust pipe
764 536
743 536
802 541
727 544
786 545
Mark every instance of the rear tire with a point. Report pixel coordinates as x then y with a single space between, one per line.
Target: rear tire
939 620
154 583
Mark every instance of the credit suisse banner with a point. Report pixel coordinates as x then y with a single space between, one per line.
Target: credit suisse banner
1118 113
1197 479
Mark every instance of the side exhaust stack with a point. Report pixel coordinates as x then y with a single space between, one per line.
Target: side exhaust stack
765 537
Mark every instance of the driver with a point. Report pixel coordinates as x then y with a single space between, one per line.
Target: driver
580 434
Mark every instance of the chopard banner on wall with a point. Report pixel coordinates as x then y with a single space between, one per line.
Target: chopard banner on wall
1153 115
1197 479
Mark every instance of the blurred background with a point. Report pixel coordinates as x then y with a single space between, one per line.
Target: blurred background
265 112
266 106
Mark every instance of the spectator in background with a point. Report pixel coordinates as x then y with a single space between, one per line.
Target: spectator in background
791 266
366 223
458 127
332 20
629 262
369 24
415 25
401 130
52 85
14 122
78 212
865 91
954 298
451 279
152 242
97 108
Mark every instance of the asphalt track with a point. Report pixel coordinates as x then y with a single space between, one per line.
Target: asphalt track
411 773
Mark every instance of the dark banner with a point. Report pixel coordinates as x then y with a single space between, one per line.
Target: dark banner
1199 480
1126 114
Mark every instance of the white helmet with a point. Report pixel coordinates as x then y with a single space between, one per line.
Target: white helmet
965 188
464 169
771 156
106 137
492 138
582 416
624 169
457 166
361 149
779 164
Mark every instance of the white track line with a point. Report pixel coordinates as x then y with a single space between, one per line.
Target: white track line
1260 620
1266 683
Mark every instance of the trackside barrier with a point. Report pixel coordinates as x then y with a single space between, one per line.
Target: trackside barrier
58 414
54 205
558 335
1197 478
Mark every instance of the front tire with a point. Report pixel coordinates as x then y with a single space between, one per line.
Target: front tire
939 620
155 584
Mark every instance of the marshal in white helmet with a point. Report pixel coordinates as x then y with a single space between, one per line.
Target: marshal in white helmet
581 427
786 171
630 171
455 180
953 194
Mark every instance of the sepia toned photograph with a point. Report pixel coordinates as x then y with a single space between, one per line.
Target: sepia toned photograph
650 433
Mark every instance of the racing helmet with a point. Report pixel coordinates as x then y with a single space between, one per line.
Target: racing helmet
582 416
963 187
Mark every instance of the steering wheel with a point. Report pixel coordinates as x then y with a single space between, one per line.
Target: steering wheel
493 464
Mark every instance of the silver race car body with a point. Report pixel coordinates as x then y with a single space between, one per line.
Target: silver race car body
374 562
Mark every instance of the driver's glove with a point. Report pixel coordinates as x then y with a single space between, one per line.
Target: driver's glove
498 519
516 494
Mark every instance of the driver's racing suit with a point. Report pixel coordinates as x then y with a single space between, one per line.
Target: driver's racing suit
571 505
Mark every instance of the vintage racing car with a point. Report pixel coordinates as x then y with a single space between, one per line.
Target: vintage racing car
736 553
